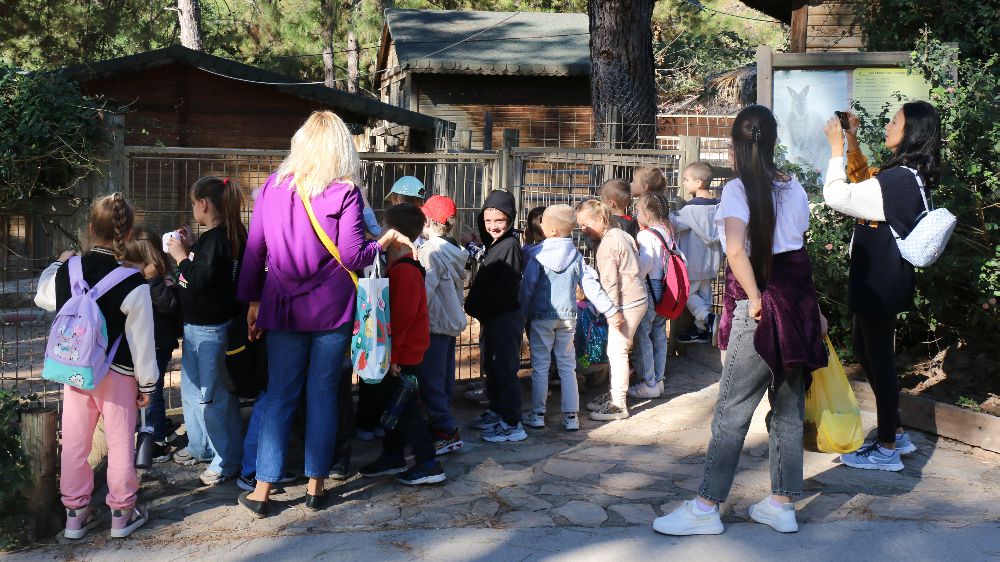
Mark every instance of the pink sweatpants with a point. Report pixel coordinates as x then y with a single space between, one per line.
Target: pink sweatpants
114 398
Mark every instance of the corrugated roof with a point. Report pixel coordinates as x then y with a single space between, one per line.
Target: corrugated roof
526 43
351 107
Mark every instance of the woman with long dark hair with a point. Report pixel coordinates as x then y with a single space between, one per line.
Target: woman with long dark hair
771 326
881 283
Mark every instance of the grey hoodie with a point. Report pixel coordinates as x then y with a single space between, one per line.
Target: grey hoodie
548 288
445 265
698 240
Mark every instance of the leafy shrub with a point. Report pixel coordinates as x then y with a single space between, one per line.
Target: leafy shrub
13 470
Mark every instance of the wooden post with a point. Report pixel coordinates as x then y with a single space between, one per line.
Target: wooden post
511 138
487 132
38 438
690 148
765 76
464 140
799 31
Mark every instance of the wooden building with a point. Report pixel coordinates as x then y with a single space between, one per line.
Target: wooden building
490 71
821 25
176 96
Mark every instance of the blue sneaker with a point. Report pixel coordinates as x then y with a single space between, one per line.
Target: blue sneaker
903 444
871 457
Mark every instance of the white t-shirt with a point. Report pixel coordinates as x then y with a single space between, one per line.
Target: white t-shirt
651 253
791 213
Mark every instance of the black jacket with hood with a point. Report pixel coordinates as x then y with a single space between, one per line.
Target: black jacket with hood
495 288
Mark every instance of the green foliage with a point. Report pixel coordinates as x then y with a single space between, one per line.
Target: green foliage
893 25
52 136
13 470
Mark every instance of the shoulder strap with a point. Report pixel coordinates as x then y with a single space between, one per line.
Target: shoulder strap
920 187
109 281
77 284
325 238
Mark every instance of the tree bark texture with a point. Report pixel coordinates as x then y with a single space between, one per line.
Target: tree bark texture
328 23
352 63
38 438
621 56
189 18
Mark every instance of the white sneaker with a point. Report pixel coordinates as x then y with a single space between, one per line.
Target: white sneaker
571 422
780 518
534 419
642 390
609 412
599 401
689 519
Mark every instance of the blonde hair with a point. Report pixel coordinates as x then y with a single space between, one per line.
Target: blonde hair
561 217
322 152
651 177
441 228
595 208
700 171
655 205
145 249
111 219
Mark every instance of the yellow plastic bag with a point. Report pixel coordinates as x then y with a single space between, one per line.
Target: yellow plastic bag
833 410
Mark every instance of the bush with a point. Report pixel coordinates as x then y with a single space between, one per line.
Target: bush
52 135
13 470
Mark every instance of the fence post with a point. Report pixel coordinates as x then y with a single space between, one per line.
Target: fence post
38 437
690 148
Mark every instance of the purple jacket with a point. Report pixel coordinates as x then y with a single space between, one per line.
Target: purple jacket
303 287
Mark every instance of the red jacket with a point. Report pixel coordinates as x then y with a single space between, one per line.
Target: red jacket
409 322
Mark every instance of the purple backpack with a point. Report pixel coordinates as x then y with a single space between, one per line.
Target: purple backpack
77 351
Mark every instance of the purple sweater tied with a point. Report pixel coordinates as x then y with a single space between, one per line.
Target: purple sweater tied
788 335
298 283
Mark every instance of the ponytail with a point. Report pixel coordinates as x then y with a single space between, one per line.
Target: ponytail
755 133
225 196
111 220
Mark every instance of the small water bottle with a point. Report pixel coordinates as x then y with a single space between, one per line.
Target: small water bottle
144 443
408 386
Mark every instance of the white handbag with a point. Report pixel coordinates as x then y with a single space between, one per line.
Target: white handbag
926 242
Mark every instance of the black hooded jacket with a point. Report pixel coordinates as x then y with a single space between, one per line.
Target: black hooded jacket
495 289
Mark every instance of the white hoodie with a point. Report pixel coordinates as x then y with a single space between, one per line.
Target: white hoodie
445 280
698 239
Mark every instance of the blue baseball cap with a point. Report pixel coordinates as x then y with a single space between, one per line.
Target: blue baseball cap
409 186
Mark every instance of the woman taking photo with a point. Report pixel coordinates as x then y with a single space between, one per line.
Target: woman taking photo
303 296
771 326
881 283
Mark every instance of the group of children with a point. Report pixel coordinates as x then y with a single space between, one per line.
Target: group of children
541 288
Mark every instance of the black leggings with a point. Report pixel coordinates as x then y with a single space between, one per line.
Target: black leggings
874 346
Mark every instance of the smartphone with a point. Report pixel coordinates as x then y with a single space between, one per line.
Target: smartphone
845 123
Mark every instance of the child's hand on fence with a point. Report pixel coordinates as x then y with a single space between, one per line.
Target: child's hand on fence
66 255
142 400
617 320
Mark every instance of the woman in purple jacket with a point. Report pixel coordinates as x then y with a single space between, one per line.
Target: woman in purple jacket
303 297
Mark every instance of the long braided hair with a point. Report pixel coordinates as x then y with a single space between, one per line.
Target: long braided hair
656 206
111 219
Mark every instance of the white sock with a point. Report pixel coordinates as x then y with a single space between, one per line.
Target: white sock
704 508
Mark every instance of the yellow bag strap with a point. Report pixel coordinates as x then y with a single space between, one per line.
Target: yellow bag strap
325 239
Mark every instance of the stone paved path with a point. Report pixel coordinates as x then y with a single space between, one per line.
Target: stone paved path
595 491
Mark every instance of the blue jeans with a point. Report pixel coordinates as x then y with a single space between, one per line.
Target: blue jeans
650 355
211 410
436 381
156 412
295 360
249 466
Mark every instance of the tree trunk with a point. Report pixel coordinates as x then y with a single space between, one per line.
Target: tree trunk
352 63
382 5
621 55
189 18
328 21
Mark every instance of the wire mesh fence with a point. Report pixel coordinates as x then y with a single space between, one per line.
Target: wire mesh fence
158 180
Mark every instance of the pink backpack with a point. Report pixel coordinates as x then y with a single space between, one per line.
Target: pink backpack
77 352
676 286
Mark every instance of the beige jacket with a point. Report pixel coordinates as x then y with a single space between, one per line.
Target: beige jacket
618 268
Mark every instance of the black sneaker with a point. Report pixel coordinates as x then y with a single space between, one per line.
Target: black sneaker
383 466
428 472
695 336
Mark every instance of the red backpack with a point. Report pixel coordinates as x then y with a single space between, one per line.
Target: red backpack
676 286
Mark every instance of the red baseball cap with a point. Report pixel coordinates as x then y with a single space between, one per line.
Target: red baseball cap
439 208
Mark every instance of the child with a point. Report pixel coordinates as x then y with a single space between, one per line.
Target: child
618 265
207 292
410 340
532 234
698 240
616 197
127 312
444 262
145 251
651 337
493 301
407 189
648 178
548 301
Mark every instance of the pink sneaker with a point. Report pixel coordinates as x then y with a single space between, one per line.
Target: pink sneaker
78 522
124 521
